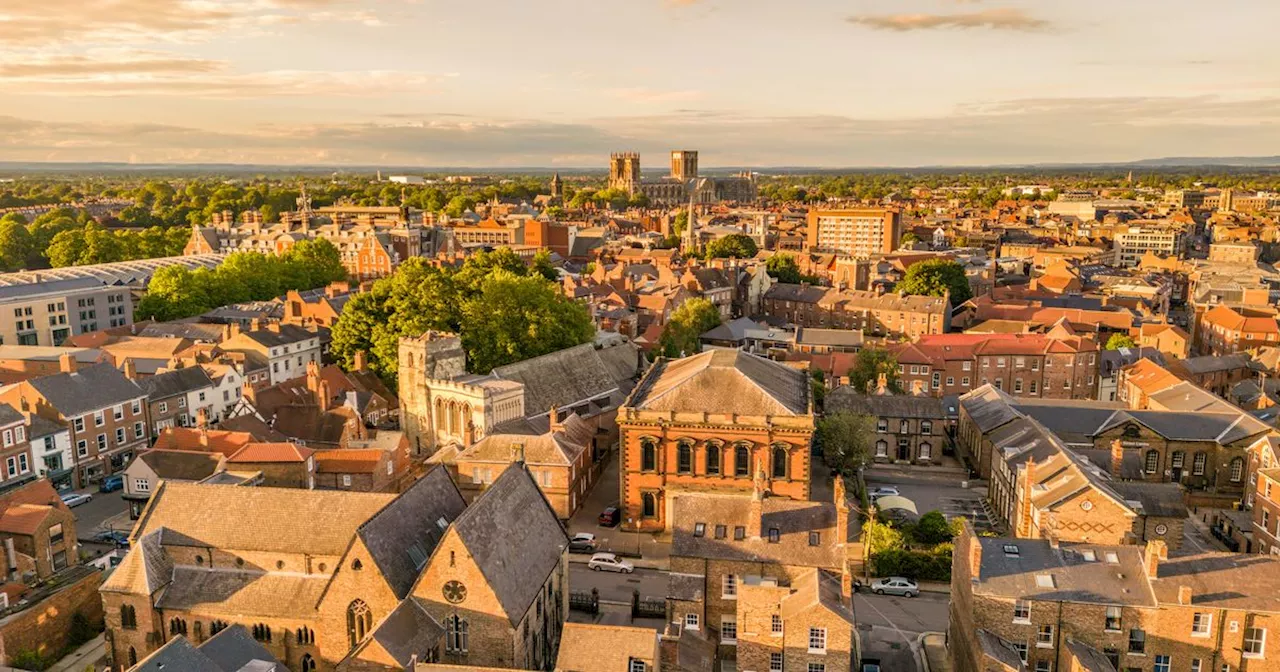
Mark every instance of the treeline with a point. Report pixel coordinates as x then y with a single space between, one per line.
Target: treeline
176 292
68 238
504 311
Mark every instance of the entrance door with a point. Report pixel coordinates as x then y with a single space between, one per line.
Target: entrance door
904 450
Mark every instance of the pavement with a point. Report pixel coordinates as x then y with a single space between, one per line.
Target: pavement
614 587
954 496
890 627
88 656
935 652
107 510
653 549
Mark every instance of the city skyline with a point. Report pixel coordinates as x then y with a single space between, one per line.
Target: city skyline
867 83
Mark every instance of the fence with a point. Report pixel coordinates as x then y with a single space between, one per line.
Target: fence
582 601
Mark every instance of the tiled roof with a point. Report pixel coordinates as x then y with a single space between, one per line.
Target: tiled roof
794 521
181 465
211 440
271 452
347 461
1071 577
597 647
24 519
723 381
88 389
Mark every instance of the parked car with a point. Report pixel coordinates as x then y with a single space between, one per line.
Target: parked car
895 585
608 562
120 539
870 665
74 499
610 517
583 542
111 483
882 491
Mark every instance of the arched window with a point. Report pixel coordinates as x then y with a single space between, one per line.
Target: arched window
178 626
308 663
133 657
262 632
648 455
713 457
356 565
780 461
926 426
684 458
1237 470
128 618
1197 464
926 451
741 461
199 630
1152 463
216 627
455 640
359 621
882 448
649 502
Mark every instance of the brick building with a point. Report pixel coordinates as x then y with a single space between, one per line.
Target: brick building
1040 366
1223 329
807 625
712 422
1038 605
854 232
890 315
40 530
908 428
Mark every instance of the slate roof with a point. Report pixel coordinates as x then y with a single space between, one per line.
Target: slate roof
1236 581
88 389
723 381
514 537
233 648
1090 659
991 645
1157 499
10 415
182 465
408 631
568 376
794 520
1074 579
540 446
411 522
249 593
41 427
287 335
734 330
849 399
174 383
178 654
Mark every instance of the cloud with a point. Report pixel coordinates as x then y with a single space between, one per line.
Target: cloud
98 63
993 19
1006 132
205 80
646 96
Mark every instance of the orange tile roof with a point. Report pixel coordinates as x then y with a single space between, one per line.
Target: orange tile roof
36 492
1150 377
24 519
348 460
272 452
209 441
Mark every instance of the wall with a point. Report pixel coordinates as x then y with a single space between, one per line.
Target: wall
45 627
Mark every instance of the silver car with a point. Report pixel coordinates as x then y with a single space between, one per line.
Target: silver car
608 562
895 585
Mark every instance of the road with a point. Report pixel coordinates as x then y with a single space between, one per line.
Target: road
105 506
615 587
889 626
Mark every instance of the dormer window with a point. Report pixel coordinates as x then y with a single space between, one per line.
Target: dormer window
774 535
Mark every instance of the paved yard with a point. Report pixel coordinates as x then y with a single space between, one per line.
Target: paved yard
948 497
890 626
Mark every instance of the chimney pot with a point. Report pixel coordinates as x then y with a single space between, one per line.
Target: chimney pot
1184 595
67 362
1117 458
1155 551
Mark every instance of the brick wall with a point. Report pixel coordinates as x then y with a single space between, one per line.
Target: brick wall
45 627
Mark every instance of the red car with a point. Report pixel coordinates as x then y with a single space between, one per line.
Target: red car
610 517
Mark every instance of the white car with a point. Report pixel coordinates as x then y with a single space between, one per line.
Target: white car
586 537
75 499
895 585
608 562
882 491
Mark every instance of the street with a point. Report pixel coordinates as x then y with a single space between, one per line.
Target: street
614 587
105 508
889 626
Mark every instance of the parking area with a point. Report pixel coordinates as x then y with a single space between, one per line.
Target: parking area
950 497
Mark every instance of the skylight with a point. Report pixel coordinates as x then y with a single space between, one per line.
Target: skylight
1044 580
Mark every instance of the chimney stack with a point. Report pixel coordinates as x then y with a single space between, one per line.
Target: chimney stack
975 554
1184 595
202 418
1155 551
255 324
755 515
247 391
882 384
669 648
517 453
361 363
1117 458
917 388
130 369
554 417
1025 506
67 362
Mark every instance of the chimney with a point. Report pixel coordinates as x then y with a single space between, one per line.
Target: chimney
313 378
669 648
554 417
882 384
917 388
322 395
755 515
361 363
975 554
255 324
469 437
273 327
202 418
204 437
1184 595
1155 551
247 391
233 329
1025 506
1117 458
517 453
842 510
130 369
67 362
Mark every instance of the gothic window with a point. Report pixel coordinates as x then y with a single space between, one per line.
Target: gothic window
128 618
779 462
650 504
216 627
359 621
713 458
455 634
741 461
648 455
177 626
684 458
133 657
262 632
308 663
1237 470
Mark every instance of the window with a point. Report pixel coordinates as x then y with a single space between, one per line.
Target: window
120 435
775 625
1022 651
141 485
635 665
882 425
1152 462
138 431
55 533
964 382
649 505
1044 637
1237 469
182 402
699 529
1178 459
137 407
102 443
729 587
721 531
817 640
78 424
99 418
1137 641
1255 640
774 535
346 480
691 621
359 622
1043 666
951 381
117 412
926 451
713 458
1200 624
163 407
775 662
780 462
815 538
739 533
128 618
684 458
728 629
817 667
456 635
12 464
82 448
741 461
1021 611
1197 464
648 456
1033 389
882 448
926 427
1162 664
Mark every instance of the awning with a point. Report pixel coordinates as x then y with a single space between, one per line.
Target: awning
896 502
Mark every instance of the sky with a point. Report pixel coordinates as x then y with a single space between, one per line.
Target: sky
562 83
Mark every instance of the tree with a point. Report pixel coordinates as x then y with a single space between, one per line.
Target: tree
542 266
783 268
1118 341
517 317
868 367
937 277
908 239
15 242
732 246
692 319
845 439
320 259
932 529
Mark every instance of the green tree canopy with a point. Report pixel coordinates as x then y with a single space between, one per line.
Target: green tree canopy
692 319
732 246
937 277
1118 341
15 242
845 439
867 368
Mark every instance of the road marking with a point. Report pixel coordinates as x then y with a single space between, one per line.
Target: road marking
888 620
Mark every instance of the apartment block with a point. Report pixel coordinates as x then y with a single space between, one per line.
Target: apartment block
854 232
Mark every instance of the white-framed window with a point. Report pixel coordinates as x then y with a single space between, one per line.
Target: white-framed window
118 412
775 662
636 666
141 485
23 465
1161 664
99 418
1021 611
1201 623
966 366
817 667
1044 637
102 443
775 625
182 402
12 465
817 640
82 448
120 435
164 407
346 480
691 621
1196 665
729 587
137 406
78 424
728 629
8 438
138 430
1255 642
19 434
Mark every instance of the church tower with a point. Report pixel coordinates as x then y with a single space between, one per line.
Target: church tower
684 164
624 171
557 189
